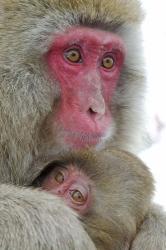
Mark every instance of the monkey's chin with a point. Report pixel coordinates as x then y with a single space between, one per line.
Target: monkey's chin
79 140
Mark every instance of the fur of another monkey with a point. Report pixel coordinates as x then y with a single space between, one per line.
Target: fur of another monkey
30 98
115 193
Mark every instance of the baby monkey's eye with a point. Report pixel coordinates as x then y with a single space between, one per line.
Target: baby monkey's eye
73 55
108 62
59 177
77 196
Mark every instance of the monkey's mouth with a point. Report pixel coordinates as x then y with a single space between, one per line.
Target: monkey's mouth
82 140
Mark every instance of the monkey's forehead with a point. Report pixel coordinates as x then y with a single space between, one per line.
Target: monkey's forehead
101 10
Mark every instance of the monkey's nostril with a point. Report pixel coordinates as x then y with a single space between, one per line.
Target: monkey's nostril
94 114
91 112
59 192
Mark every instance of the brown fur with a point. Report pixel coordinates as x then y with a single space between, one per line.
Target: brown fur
121 193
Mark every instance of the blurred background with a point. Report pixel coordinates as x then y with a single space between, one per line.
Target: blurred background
154 31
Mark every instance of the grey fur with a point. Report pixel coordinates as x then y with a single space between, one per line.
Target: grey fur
152 234
34 220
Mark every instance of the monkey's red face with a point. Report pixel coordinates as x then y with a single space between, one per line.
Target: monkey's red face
72 185
87 64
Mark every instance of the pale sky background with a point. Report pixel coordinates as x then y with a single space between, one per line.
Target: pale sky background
154 29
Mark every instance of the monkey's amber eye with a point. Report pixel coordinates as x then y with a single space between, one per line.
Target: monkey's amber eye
77 196
108 62
59 177
73 55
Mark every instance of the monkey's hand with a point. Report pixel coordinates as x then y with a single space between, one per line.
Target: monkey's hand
152 234
34 220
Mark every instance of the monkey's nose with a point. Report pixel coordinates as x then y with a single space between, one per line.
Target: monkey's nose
97 108
60 191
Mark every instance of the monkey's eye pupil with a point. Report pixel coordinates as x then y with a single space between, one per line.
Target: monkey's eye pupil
73 55
59 177
108 62
77 196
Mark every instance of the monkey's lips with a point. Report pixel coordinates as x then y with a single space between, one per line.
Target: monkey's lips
81 140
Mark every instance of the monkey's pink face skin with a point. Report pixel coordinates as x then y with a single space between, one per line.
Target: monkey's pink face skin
87 64
72 185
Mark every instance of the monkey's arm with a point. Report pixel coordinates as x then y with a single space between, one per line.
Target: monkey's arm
152 234
34 220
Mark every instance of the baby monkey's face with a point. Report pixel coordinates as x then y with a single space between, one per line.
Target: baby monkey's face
70 183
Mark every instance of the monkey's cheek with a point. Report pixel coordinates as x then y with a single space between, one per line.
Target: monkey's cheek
80 209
